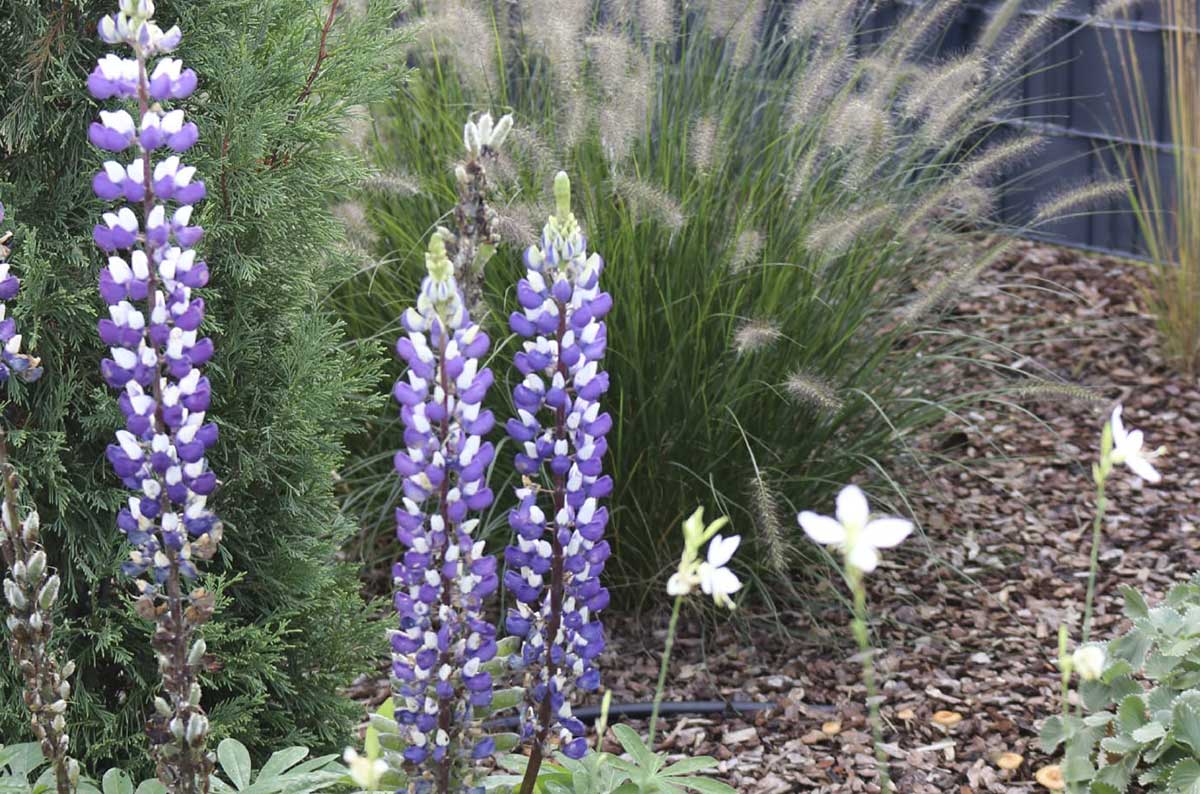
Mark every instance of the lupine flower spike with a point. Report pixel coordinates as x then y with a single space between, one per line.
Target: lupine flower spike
555 564
444 576
31 587
156 353
12 361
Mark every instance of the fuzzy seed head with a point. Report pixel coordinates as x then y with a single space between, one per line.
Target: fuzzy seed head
753 336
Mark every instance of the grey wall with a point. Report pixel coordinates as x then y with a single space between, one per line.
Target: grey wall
1071 98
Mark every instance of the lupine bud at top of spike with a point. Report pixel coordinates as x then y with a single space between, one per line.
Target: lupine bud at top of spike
471 139
30 527
436 262
562 196
501 130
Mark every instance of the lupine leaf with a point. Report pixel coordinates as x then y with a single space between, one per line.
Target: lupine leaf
116 781
235 762
637 749
707 785
281 761
689 765
505 742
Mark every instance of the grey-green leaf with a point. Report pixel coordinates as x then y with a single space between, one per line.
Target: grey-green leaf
235 762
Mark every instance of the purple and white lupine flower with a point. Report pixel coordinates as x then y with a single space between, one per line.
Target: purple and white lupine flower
444 576
156 351
555 564
12 361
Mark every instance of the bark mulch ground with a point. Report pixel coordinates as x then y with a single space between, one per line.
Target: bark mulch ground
967 613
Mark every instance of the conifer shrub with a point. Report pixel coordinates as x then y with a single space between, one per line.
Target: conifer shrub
785 209
281 80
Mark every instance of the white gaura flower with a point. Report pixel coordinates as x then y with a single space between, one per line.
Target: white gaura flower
853 532
1127 449
715 579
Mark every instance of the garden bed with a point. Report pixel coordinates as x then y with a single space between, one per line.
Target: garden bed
969 617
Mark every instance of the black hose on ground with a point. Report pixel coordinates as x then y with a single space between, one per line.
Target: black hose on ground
634 711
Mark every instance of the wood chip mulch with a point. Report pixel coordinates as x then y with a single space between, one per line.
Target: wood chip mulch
968 612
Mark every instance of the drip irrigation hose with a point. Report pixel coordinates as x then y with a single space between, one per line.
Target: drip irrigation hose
617 711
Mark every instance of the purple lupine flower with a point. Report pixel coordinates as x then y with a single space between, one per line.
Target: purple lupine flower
444 576
156 352
153 315
12 361
555 564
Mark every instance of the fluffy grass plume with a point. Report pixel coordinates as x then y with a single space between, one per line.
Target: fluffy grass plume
747 247
755 335
801 158
1081 197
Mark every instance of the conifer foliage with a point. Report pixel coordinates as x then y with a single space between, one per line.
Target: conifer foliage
281 81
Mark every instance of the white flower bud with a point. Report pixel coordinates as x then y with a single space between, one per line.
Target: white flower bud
162 707
194 694
37 564
14 595
197 729
1088 661
196 654
49 593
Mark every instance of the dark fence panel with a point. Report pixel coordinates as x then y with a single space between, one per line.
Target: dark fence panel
1074 96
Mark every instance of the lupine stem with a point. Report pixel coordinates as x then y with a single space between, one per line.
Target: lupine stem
861 632
662 670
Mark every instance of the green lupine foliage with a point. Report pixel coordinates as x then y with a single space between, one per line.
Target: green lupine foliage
287 386
1140 720
782 216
